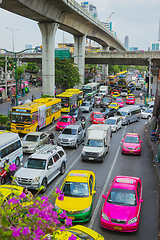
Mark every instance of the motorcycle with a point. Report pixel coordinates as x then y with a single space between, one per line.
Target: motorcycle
4 175
83 124
12 101
50 141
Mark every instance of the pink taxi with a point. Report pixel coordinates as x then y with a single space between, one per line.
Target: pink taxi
131 144
120 102
65 121
130 100
122 206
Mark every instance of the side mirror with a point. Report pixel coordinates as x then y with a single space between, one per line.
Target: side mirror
141 200
106 145
21 164
104 196
141 141
122 140
83 143
93 192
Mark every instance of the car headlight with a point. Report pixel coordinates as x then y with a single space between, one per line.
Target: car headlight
100 154
86 209
83 153
133 220
59 140
36 179
124 147
138 148
56 207
71 140
104 216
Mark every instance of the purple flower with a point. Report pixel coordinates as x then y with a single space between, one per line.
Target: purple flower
58 190
45 198
63 215
62 228
38 232
12 167
61 197
13 200
31 210
72 237
16 231
23 195
26 231
68 221
54 214
56 222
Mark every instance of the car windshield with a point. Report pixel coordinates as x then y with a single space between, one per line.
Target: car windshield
69 131
64 120
105 110
73 111
35 163
98 116
106 100
85 104
113 104
121 113
124 91
31 138
94 143
110 121
80 234
75 189
148 111
131 139
118 100
122 197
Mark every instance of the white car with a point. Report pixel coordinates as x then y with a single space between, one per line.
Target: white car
124 92
147 113
33 140
41 167
114 122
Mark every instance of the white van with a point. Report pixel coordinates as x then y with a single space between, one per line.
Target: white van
129 114
11 147
103 90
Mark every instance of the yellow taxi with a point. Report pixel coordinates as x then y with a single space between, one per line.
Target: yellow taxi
3 131
128 89
79 231
78 189
115 94
130 95
9 191
114 105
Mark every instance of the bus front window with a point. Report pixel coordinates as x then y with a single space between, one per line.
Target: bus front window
64 102
87 90
21 118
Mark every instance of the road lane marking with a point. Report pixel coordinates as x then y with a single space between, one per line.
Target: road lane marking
64 175
104 188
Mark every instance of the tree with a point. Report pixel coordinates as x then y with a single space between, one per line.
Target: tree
31 67
66 73
10 63
20 71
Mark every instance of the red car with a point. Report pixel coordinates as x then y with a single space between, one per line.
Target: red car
130 100
97 118
65 121
122 206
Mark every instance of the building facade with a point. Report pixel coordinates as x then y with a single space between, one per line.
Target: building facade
155 46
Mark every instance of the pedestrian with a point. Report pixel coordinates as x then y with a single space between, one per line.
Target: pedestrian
33 97
41 94
28 193
141 95
36 84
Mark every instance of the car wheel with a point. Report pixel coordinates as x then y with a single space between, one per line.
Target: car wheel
76 146
63 168
44 184
17 162
102 159
138 119
128 122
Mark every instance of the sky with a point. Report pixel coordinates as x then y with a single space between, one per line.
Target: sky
138 19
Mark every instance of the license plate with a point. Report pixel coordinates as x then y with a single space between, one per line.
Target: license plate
71 217
91 158
117 228
130 151
121 117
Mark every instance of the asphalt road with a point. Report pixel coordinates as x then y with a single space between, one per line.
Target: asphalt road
117 164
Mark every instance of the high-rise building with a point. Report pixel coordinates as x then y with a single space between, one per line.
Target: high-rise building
133 48
126 42
90 8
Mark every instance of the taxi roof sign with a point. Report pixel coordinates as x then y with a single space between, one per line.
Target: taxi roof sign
78 175
124 181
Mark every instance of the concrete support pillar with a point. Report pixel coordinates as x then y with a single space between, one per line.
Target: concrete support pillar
105 67
79 55
154 85
48 31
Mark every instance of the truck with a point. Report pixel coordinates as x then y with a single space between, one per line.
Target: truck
103 90
98 142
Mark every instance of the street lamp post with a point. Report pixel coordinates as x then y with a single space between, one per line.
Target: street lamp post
12 35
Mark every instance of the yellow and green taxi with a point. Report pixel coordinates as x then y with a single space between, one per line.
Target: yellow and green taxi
114 105
115 94
79 231
9 191
78 189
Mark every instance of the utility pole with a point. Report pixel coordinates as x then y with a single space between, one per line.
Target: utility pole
149 77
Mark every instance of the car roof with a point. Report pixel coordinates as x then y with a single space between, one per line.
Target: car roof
66 116
78 175
35 133
125 182
73 126
132 134
7 189
97 113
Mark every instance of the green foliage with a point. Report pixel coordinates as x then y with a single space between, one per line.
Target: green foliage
31 67
10 63
3 119
66 73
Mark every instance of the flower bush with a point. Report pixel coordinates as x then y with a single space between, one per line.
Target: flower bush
23 217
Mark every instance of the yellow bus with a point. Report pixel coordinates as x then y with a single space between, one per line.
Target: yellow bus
112 79
32 116
79 95
68 100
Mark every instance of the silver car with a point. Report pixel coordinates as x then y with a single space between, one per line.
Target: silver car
147 113
33 140
71 136
86 106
